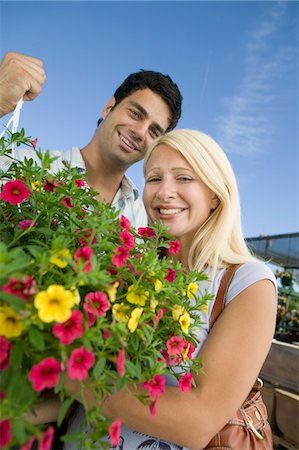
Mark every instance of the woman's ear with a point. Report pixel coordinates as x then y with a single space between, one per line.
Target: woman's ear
108 107
215 202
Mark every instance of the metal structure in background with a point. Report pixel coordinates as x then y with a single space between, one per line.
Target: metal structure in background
279 249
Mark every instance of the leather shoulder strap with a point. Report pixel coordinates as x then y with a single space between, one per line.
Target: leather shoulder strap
221 294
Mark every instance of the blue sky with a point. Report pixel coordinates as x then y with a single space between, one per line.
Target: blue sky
236 64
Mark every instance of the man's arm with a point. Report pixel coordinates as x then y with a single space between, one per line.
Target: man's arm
21 76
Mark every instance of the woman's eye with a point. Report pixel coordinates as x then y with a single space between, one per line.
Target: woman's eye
153 180
185 179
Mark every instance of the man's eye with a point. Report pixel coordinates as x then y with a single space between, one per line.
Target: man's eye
135 113
155 133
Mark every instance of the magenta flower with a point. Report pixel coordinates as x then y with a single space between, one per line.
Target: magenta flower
25 224
185 382
45 374
23 288
5 347
79 183
96 304
67 202
45 442
5 432
83 255
85 236
14 192
29 444
155 386
80 361
124 223
190 347
120 256
71 329
120 363
114 432
146 232
51 185
127 239
153 407
171 274
174 246
175 345
34 143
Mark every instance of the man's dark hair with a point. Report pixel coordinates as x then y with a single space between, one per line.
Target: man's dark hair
158 83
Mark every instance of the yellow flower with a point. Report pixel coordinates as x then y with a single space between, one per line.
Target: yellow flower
119 311
185 322
185 352
205 308
58 258
158 284
35 185
11 324
191 289
177 311
55 304
153 304
136 298
76 294
134 319
112 291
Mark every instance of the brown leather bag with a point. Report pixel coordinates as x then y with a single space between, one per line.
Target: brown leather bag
249 428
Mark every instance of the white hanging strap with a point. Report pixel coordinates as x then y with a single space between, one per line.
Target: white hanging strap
14 120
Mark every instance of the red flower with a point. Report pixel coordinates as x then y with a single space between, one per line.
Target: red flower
5 347
191 349
51 185
155 386
28 445
153 407
158 317
120 363
96 303
174 246
171 274
79 183
14 192
175 345
45 442
127 239
84 254
124 223
114 432
86 235
146 232
34 142
24 287
71 329
45 374
120 256
80 361
67 202
25 224
185 382
5 432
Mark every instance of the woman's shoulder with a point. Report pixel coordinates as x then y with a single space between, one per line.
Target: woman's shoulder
247 274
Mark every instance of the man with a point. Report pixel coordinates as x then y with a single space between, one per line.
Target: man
146 105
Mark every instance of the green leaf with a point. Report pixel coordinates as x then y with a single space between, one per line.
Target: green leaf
99 367
36 338
64 409
16 354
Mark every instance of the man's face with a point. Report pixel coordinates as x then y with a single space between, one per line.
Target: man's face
129 128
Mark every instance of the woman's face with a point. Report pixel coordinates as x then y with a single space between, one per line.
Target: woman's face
175 195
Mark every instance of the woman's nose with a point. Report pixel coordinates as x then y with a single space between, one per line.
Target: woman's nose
166 190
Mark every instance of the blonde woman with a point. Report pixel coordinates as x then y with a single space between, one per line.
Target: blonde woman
190 186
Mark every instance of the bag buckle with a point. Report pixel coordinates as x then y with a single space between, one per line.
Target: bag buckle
250 425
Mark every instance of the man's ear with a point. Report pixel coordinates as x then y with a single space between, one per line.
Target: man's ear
107 108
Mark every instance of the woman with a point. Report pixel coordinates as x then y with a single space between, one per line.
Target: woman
190 186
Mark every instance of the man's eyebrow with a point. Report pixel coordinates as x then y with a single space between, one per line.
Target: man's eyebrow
145 114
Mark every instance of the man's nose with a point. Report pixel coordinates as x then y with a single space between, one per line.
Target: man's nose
140 131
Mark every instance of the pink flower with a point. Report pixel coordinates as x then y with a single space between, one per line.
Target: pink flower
96 304
174 246
51 185
25 224
84 254
34 142
80 361
120 363
185 382
106 333
71 329
14 192
127 239
120 256
153 407
85 236
23 288
45 374
146 232
191 349
67 202
175 345
165 357
5 432
29 444
79 183
5 347
155 386
124 223
158 317
45 442
114 432
171 274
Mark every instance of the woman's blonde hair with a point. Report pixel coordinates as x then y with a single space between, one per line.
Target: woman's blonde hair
219 241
